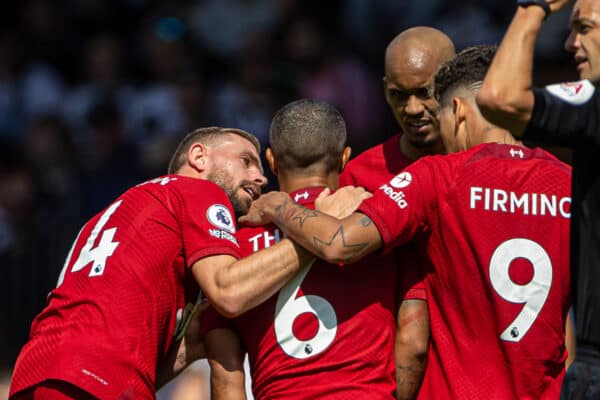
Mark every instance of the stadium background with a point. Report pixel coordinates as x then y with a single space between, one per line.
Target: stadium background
94 95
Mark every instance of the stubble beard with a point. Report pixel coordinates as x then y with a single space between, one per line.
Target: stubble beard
225 181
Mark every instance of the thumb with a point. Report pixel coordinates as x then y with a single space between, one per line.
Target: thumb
326 192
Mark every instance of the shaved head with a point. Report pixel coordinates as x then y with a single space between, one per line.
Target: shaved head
411 60
419 47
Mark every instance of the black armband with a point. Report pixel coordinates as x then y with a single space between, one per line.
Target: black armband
540 3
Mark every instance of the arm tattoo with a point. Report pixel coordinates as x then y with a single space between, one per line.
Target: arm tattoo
339 235
365 221
408 380
304 215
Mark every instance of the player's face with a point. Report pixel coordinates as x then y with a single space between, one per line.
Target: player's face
237 169
408 86
584 39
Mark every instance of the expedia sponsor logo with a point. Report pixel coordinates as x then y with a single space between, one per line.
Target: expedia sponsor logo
396 196
219 234
402 180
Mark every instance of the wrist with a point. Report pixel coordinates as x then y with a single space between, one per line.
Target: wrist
538 8
277 204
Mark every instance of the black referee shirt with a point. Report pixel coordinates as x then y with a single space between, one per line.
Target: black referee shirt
568 114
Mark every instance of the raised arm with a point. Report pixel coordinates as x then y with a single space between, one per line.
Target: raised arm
334 240
506 98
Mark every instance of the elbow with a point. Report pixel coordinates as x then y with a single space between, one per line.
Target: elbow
497 105
228 304
416 345
337 255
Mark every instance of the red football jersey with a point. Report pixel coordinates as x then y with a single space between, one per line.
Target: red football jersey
370 169
328 333
496 224
126 290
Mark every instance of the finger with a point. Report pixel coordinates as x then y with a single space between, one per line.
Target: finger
366 195
324 193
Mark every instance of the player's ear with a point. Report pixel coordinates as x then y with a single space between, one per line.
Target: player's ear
459 110
385 90
271 160
197 156
345 157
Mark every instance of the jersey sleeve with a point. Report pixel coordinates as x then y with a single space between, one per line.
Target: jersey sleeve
566 114
211 319
402 207
410 275
207 221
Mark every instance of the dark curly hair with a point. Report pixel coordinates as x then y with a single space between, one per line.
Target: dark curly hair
467 70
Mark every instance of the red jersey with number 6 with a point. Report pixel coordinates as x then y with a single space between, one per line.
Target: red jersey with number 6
126 290
495 220
328 333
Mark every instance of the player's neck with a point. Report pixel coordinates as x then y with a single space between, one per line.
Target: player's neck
494 134
290 184
414 153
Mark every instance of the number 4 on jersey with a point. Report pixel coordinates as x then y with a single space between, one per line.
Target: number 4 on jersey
96 255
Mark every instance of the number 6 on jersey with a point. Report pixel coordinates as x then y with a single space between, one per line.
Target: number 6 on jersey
289 307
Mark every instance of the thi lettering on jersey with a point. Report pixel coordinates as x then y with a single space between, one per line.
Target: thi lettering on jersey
264 240
498 200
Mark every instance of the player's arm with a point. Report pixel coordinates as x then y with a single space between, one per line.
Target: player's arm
412 326
184 352
506 98
334 240
235 286
226 360
411 347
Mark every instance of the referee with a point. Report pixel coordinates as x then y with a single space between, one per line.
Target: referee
565 114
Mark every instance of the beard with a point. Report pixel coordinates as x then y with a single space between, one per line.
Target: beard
240 204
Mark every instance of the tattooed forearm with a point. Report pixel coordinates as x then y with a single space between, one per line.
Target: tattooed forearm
337 236
303 215
289 212
408 381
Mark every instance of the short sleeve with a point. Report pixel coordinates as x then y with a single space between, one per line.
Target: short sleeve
410 274
206 218
211 319
401 208
565 114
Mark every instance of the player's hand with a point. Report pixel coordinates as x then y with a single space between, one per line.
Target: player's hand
194 345
261 208
343 202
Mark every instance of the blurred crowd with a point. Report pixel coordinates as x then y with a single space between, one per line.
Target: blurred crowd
94 94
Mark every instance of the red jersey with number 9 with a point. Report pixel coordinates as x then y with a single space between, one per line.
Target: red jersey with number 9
328 333
495 221
126 289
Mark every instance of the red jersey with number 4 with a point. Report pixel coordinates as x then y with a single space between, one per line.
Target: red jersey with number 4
496 223
370 169
126 290
328 333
